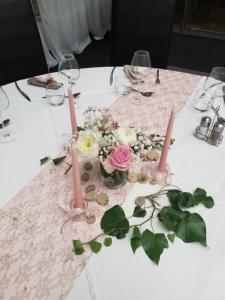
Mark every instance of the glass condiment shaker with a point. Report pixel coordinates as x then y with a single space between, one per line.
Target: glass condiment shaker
216 132
204 125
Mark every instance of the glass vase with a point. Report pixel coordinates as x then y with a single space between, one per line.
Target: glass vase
114 180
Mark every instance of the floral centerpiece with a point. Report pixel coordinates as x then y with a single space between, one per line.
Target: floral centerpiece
117 148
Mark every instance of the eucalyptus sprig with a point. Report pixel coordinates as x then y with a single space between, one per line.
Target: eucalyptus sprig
179 222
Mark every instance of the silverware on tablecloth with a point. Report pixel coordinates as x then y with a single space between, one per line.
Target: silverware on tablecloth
145 94
111 76
21 92
157 77
75 95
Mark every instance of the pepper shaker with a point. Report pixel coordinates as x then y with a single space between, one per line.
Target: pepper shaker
216 132
204 125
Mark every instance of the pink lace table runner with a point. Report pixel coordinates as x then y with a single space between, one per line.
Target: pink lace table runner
36 260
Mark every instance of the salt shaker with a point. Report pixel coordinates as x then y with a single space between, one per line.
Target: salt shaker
204 125
216 132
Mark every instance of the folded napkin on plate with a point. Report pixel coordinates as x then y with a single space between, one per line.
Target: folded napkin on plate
43 82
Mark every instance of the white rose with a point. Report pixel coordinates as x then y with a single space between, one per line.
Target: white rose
126 135
87 144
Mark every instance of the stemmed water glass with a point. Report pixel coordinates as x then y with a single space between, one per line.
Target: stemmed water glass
214 87
140 68
69 68
6 135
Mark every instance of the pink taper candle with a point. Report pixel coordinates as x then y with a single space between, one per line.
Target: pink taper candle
72 112
166 145
78 201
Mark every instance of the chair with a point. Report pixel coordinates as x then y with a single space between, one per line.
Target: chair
142 24
21 52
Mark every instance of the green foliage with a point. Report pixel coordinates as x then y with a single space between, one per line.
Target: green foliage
44 160
108 242
58 160
192 229
78 248
154 244
136 240
95 246
115 223
139 212
171 237
188 226
180 199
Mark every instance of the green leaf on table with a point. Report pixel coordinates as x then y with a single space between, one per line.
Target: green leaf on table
115 223
171 216
177 198
44 160
108 242
78 248
200 196
154 244
95 246
191 229
171 237
139 212
58 160
208 202
136 240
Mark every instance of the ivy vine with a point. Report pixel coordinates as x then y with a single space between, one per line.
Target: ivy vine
176 219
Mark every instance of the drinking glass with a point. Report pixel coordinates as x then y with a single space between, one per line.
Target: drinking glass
214 87
140 68
69 68
55 97
6 135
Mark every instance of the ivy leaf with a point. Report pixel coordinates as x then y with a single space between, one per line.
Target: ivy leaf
95 246
139 212
171 237
108 242
154 244
78 248
115 223
208 202
44 160
136 240
171 216
192 229
58 160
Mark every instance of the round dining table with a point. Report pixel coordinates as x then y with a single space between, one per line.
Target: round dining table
185 271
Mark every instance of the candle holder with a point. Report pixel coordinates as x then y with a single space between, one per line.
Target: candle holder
210 130
158 176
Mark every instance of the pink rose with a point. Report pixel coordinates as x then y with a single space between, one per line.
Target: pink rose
121 158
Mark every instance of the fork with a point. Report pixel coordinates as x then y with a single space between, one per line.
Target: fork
157 78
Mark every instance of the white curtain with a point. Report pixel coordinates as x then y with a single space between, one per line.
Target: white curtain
65 24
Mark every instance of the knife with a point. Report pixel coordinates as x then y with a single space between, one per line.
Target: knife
21 92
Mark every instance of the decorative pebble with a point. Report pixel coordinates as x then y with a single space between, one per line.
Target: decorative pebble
85 176
87 166
91 219
140 201
102 199
153 155
92 196
142 178
90 188
132 177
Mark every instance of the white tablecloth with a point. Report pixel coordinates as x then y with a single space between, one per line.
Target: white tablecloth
185 271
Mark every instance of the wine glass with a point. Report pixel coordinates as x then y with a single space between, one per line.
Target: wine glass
6 135
140 69
69 68
214 87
